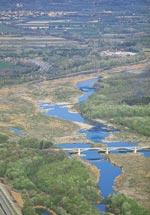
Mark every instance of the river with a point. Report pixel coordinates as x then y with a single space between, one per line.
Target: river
98 133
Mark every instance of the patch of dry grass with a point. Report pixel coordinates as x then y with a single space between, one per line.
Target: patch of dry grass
135 177
20 108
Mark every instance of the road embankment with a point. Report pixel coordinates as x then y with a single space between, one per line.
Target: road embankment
7 205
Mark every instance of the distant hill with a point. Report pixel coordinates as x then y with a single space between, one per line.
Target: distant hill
69 4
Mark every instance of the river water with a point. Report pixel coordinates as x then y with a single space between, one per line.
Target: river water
98 133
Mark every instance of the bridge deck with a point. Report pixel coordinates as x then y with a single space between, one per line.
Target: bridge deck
108 149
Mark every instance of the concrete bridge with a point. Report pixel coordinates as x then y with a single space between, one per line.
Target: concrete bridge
107 150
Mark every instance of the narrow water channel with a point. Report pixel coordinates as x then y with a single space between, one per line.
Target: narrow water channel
98 133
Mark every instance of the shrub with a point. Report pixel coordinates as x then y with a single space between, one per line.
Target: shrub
122 205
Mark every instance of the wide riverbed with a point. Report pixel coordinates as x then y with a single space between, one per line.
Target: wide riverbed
98 133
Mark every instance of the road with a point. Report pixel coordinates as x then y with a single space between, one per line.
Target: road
7 206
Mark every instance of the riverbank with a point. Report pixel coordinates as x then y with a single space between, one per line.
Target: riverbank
123 104
20 109
125 182
134 180
99 161
25 113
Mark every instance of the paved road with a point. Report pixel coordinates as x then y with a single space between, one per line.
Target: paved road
7 206
2 212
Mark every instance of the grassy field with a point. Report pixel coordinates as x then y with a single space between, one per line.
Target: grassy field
20 109
134 180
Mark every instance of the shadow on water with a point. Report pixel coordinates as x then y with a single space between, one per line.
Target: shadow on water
45 213
87 87
41 211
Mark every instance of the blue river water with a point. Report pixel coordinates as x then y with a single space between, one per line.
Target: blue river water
61 112
87 88
98 133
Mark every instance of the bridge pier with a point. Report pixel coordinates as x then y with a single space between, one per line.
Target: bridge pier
135 150
79 152
107 151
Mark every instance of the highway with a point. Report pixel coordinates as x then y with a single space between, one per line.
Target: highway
7 206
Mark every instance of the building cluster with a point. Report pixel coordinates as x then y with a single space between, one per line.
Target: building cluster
109 53
15 14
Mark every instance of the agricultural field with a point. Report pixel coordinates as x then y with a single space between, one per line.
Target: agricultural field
74 41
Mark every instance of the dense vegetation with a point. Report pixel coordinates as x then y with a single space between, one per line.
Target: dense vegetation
48 178
3 138
122 99
12 73
121 205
